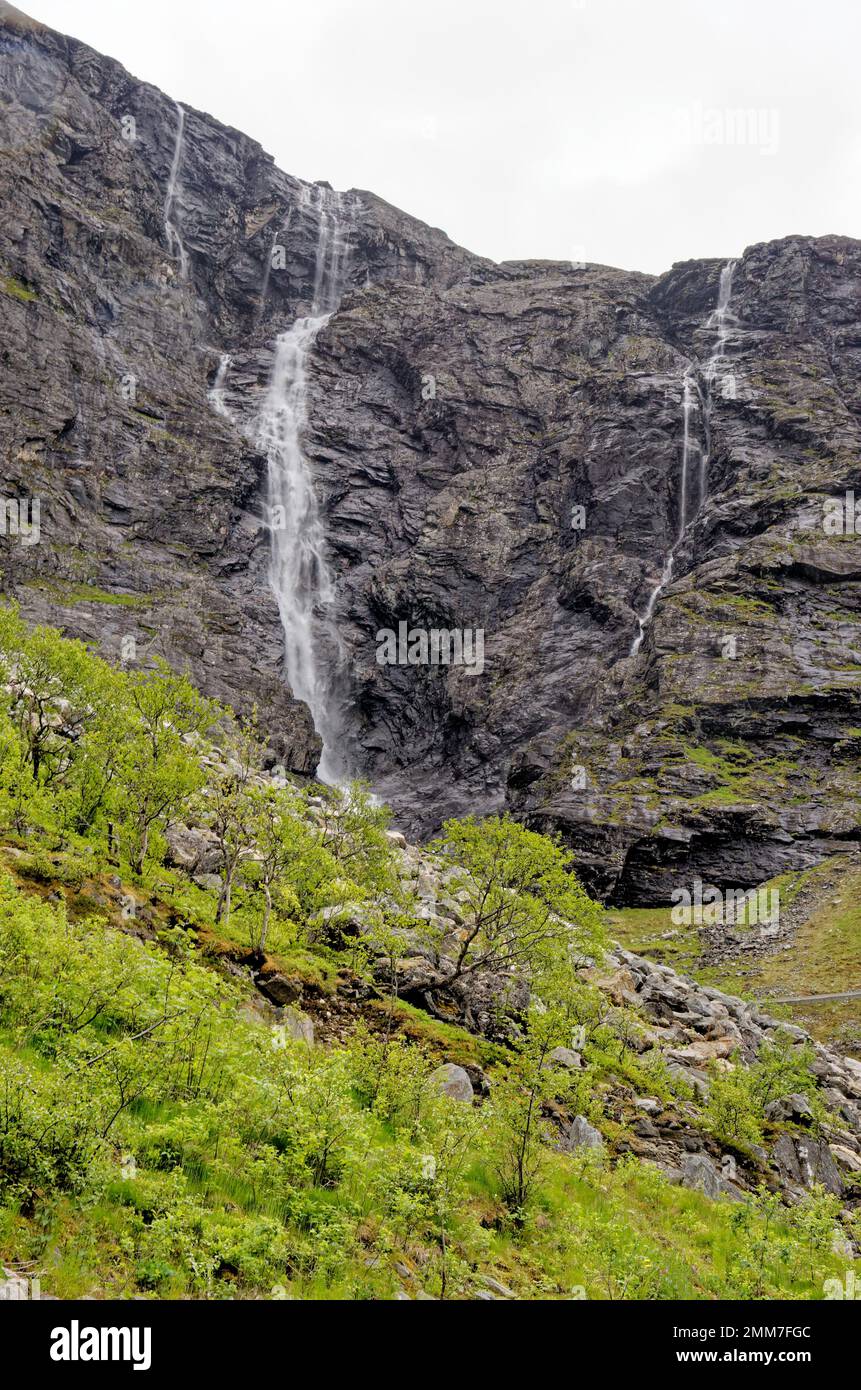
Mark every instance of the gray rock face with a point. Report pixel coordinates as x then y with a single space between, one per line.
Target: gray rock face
581 1135
452 1081
795 1107
494 447
805 1162
298 1025
152 502
698 1171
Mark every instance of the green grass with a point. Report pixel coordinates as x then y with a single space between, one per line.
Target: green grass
17 290
825 957
201 1213
650 931
70 593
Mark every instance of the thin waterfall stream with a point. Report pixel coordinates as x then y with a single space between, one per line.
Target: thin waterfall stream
171 228
719 319
216 393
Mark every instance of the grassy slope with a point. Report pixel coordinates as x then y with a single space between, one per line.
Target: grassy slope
594 1231
824 957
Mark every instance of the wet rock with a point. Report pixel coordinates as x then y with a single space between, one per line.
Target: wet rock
433 356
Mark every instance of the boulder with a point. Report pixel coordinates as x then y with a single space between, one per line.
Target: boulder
846 1158
698 1171
802 1161
795 1108
192 850
580 1135
298 1025
649 1104
281 989
696 1080
211 883
496 1286
566 1057
452 1081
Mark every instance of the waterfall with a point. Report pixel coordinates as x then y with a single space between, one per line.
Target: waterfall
299 573
215 395
687 407
689 447
174 240
718 319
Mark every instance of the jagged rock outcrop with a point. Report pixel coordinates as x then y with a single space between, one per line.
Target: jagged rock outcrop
459 413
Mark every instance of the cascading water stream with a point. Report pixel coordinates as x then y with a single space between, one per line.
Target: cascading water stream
667 573
720 319
299 572
174 240
215 395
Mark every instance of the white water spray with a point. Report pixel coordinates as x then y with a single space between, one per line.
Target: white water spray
171 229
215 395
299 573
720 319
688 449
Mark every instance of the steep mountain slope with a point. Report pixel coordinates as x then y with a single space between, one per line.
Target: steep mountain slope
455 415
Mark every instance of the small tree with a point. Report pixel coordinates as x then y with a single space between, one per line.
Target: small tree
519 1133
519 898
22 801
783 1068
98 753
53 683
231 809
281 841
157 774
353 831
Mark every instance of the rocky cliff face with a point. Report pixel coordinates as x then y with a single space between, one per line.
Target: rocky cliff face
517 448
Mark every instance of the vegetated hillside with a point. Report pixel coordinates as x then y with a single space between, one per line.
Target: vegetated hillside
811 957
252 1044
520 448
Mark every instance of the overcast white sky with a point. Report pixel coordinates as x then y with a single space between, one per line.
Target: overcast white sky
598 130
